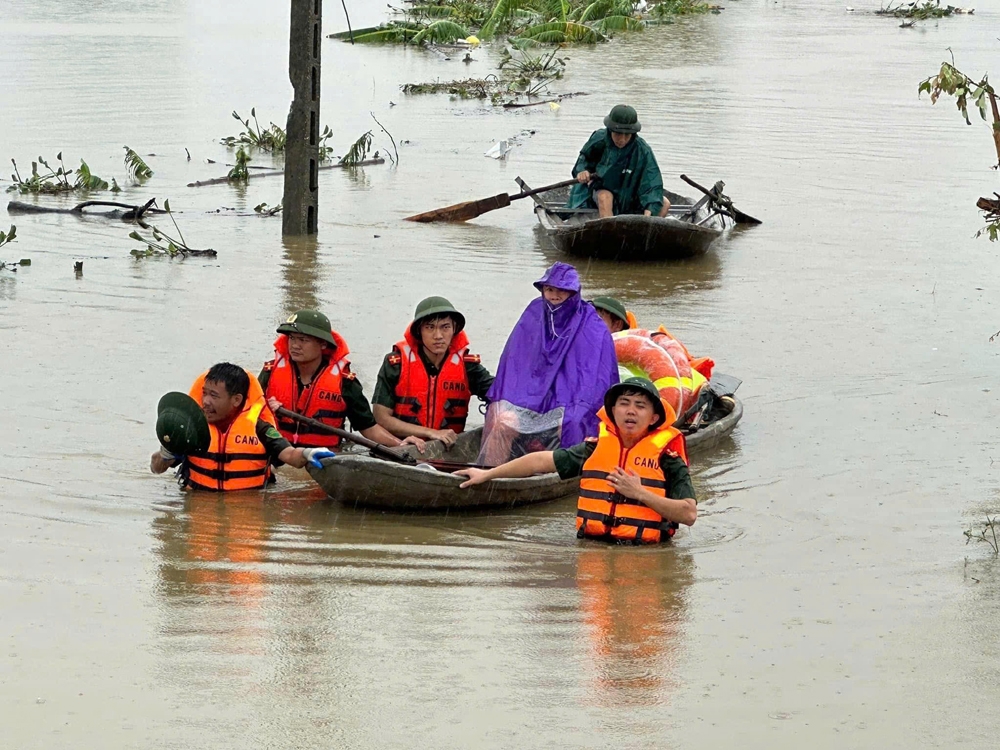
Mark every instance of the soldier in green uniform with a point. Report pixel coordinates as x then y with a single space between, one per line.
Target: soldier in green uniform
616 171
426 381
311 375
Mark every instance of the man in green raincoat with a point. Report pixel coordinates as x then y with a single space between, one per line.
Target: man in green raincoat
616 171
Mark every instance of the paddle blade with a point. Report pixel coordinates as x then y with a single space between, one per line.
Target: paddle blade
463 211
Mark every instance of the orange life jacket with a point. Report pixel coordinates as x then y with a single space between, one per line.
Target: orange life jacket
601 511
235 459
322 400
440 402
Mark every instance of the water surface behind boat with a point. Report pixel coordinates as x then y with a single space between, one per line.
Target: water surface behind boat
823 598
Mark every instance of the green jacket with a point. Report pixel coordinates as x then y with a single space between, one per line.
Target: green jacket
631 174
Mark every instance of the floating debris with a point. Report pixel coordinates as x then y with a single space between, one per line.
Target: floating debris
918 11
161 243
55 180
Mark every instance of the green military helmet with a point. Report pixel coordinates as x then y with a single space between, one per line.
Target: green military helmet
181 426
641 384
622 119
613 306
309 323
435 306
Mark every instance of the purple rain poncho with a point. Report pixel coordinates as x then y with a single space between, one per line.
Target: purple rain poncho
559 356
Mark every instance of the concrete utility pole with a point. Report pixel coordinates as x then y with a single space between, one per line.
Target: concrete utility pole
301 200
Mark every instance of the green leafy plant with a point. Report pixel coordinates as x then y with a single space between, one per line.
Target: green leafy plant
271 139
358 151
325 151
85 180
953 82
55 180
7 237
138 170
240 172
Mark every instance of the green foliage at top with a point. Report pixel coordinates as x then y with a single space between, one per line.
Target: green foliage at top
55 180
953 82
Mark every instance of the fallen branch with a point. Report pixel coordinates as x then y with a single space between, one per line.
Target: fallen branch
512 105
132 214
225 180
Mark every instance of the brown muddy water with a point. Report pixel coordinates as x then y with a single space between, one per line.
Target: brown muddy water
826 596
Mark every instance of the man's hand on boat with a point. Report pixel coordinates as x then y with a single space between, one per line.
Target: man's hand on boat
541 462
448 437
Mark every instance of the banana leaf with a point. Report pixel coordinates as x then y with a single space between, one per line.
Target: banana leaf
561 32
441 32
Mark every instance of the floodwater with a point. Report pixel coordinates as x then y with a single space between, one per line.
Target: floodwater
825 598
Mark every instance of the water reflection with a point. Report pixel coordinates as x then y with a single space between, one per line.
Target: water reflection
634 604
650 281
301 273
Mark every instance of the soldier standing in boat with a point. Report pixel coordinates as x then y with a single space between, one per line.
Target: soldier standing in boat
427 380
617 172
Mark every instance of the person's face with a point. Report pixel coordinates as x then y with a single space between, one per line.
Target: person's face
217 403
613 322
304 348
555 296
436 335
634 415
621 139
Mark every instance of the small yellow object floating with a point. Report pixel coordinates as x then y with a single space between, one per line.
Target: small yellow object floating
473 40
553 106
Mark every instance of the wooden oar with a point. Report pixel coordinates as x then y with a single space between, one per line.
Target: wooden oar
472 209
377 449
380 450
722 200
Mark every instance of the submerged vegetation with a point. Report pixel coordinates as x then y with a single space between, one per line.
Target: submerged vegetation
521 74
56 180
8 237
917 11
522 22
161 243
138 170
270 140
5 239
988 534
953 82
240 172
62 180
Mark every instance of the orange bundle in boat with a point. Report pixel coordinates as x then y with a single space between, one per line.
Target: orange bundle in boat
665 362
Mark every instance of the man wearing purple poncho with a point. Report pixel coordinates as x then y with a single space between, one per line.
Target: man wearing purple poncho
560 354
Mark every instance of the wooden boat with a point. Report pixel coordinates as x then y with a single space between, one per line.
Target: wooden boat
689 229
363 481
